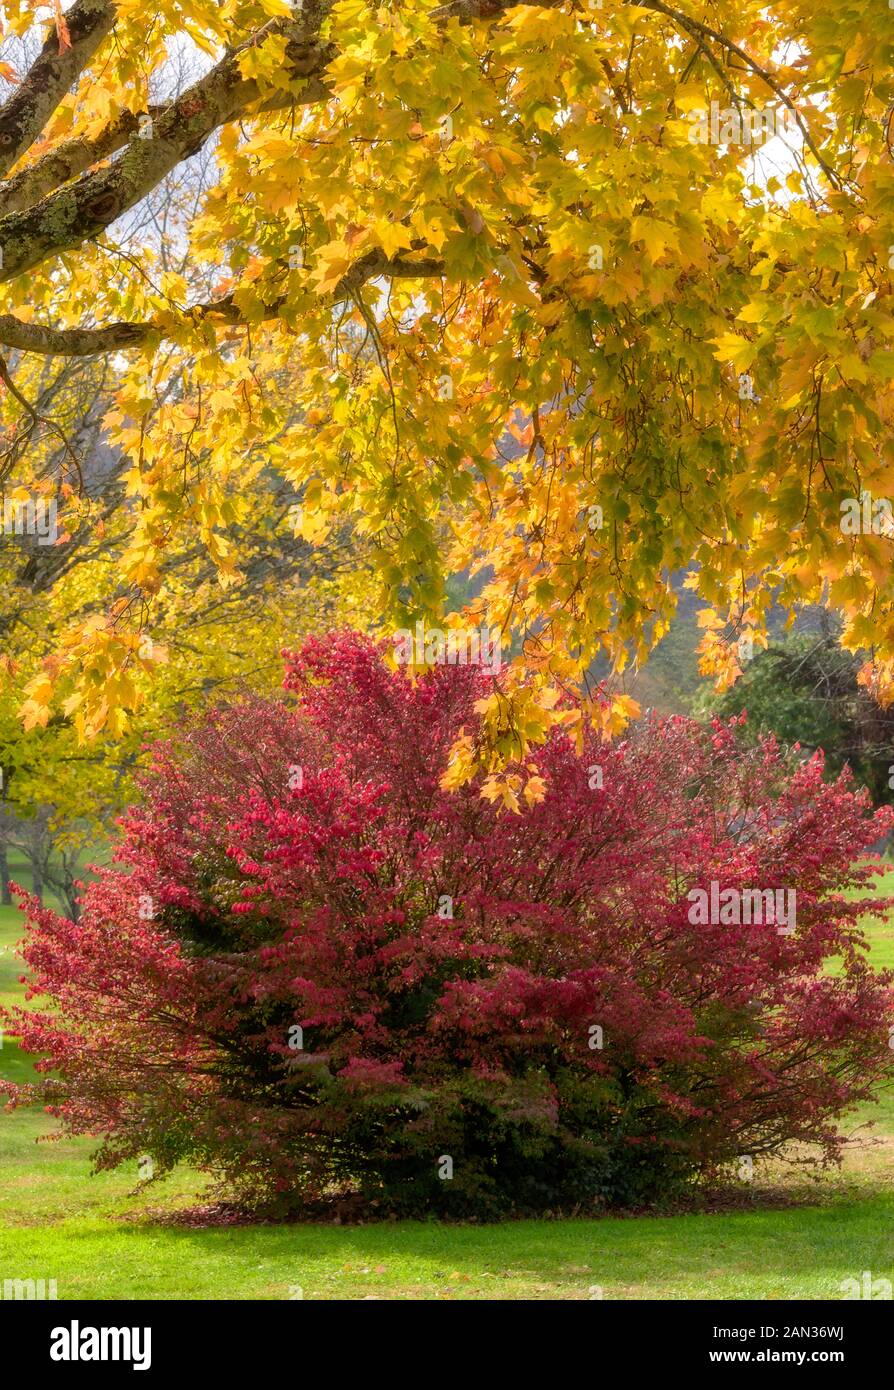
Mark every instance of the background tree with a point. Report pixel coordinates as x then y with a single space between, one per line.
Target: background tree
61 795
805 690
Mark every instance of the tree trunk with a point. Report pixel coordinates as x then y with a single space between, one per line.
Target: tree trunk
69 896
5 895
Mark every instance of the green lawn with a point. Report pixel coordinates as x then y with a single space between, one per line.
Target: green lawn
99 1240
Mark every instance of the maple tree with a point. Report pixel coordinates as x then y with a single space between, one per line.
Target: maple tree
428 227
313 969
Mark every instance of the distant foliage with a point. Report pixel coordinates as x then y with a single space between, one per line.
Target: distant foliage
806 689
313 970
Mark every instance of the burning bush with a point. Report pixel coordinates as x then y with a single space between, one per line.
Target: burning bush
313 970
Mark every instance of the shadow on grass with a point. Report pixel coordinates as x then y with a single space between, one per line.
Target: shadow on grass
765 1254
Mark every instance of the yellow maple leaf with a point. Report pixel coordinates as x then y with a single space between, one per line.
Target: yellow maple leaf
392 237
656 236
333 263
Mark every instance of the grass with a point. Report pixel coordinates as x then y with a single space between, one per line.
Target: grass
100 1240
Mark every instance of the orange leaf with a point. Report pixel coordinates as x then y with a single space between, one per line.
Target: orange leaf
61 27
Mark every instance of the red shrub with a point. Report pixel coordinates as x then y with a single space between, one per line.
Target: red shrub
246 912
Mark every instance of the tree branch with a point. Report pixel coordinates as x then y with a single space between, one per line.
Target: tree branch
112 337
74 157
70 216
80 211
65 162
27 110
699 30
